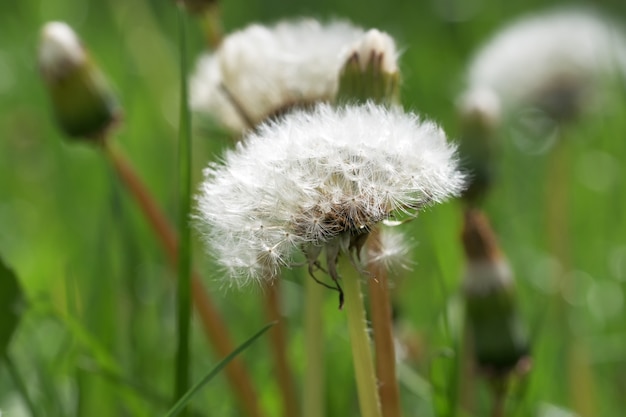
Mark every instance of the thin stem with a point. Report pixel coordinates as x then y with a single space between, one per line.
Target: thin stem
278 341
380 307
313 396
499 388
181 382
213 325
465 374
360 343
212 25
19 384
559 238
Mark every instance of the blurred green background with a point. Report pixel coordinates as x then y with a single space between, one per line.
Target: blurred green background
100 306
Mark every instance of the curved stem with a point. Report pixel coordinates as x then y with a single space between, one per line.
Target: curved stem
212 323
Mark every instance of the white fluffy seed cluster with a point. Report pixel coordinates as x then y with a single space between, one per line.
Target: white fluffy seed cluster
549 60
60 50
312 176
264 69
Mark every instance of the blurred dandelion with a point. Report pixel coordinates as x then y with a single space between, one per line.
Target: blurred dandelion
82 100
555 62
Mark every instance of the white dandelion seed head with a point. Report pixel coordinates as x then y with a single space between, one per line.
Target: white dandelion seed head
549 60
309 178
268 68
376 44
60 50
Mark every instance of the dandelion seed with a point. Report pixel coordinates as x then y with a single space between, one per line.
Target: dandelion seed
318 181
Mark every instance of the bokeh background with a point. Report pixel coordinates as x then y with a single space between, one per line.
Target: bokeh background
98 336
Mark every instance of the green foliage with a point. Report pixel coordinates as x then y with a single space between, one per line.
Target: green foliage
11 305
98 282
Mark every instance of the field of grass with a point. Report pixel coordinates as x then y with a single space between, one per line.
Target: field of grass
98 334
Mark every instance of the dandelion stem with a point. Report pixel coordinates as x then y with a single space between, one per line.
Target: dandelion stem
383 332
181 382
212 25
313 396
278 340
213 325
360 343
499 388
558 219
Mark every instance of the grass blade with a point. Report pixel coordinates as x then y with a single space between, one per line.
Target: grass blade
177 408
181 383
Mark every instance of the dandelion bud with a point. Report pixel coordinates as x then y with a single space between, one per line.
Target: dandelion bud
371 71
82 101
479 112
500 341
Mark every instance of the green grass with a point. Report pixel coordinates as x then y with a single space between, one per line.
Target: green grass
99 337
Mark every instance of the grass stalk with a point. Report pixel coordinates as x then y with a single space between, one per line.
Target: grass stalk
381 316
212 323
558 221
181 382
313 396
360 343
278 341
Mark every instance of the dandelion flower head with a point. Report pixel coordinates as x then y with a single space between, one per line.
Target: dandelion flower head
260 71
553 61
318 181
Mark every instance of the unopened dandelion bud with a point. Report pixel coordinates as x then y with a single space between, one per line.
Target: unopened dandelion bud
479 114
370 71
83 103
499 337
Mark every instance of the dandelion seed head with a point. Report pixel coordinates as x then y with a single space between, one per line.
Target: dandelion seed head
311 177
265 69
553 61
